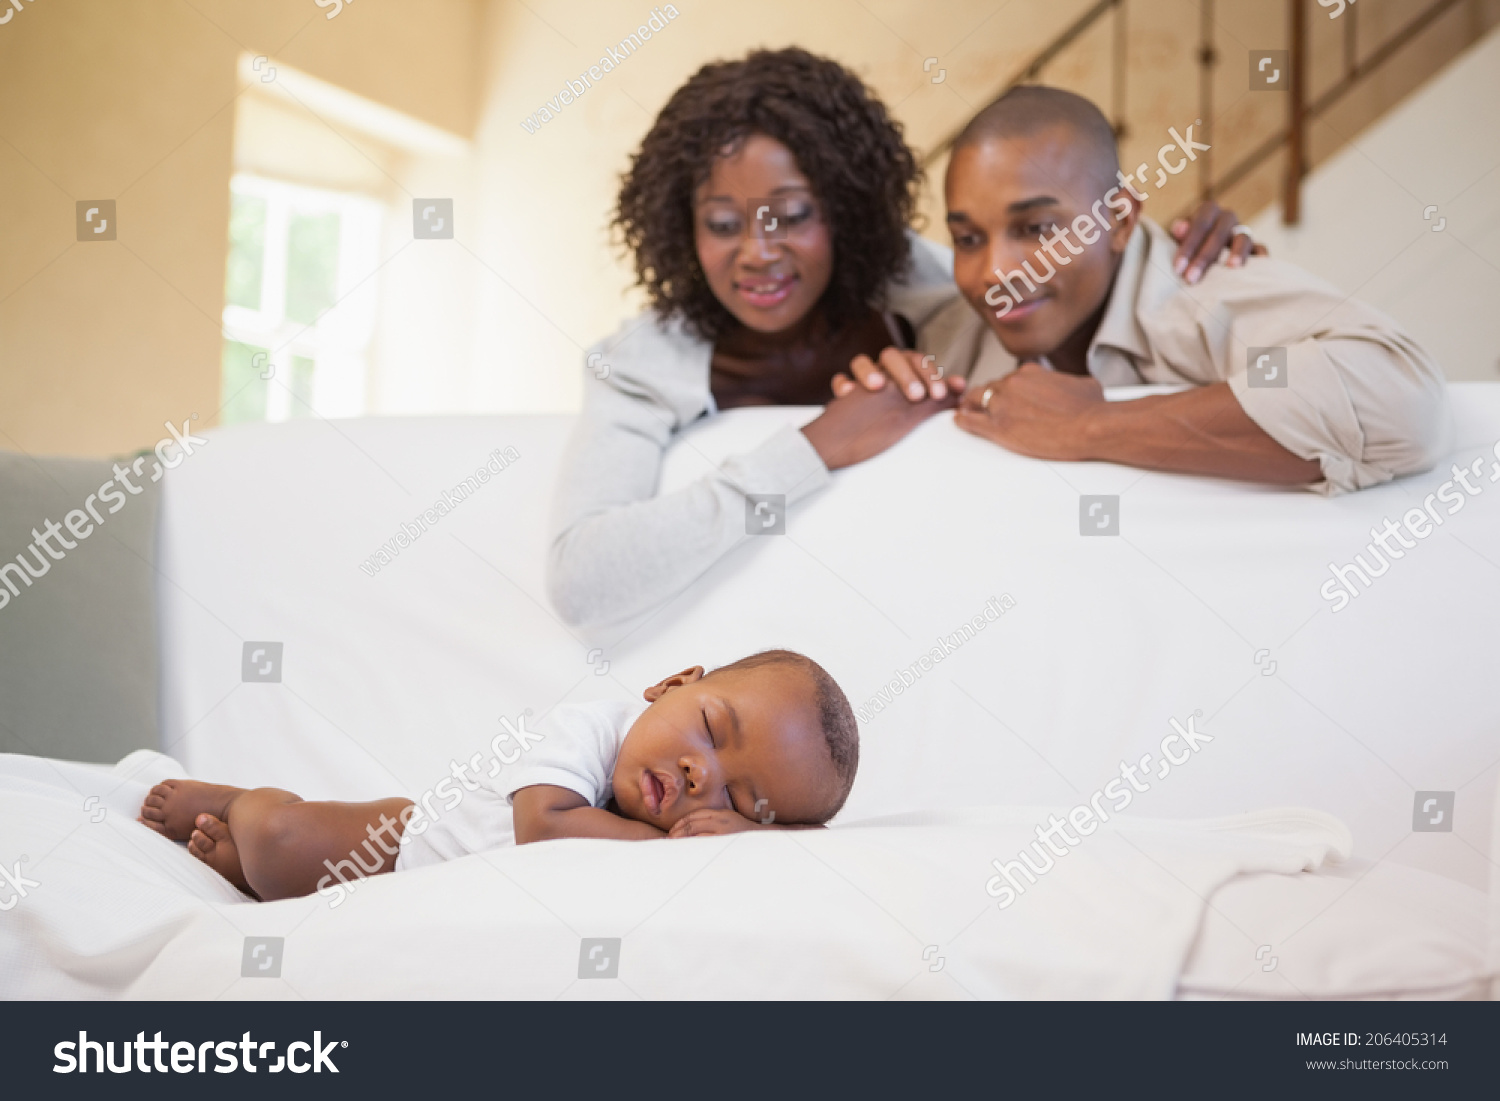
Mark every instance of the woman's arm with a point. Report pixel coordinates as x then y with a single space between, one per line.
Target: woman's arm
619 547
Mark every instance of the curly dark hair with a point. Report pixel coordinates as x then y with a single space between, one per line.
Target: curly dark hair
864 178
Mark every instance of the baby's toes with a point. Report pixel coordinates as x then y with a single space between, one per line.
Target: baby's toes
213 828
200 844
206 837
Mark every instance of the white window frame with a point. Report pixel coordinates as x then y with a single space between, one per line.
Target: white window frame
338 341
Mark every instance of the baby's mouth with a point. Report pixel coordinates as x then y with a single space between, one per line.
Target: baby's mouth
658 791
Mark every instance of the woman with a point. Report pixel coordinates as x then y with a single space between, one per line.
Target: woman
767 210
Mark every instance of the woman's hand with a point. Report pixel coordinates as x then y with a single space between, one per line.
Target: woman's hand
916 375
860 424
1210 231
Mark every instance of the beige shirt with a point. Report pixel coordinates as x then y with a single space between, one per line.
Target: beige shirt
1360 397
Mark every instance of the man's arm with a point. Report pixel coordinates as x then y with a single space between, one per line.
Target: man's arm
544 812
1050 415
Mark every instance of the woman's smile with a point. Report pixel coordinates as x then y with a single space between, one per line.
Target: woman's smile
765 292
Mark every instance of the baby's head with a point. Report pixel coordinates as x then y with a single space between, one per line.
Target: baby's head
771 733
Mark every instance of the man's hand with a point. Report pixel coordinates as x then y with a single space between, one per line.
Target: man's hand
916 375
862 423
1034 411
704 823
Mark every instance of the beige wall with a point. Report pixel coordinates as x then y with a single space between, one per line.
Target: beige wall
102 342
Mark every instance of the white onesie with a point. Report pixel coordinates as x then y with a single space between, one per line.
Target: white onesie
574 747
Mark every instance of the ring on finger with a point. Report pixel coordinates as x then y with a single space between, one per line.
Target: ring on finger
984 400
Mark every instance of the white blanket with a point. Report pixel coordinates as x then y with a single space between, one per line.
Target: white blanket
887 909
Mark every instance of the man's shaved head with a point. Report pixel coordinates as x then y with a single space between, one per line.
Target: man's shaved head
1029 109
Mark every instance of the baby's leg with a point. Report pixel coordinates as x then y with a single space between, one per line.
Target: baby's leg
286 846
269 842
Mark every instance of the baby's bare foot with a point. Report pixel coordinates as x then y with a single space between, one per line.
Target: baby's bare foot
210 842
173 806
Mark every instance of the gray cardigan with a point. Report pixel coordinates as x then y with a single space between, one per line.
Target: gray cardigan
619 547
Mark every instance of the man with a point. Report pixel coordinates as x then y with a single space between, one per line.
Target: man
1069 289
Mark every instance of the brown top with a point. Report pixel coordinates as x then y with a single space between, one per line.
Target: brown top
795 367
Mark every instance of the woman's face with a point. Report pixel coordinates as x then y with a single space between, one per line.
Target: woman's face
761 237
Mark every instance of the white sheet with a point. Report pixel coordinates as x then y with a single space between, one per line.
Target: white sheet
896 908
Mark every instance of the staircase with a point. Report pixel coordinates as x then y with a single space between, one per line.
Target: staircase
1347 63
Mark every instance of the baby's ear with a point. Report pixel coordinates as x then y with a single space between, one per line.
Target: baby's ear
676 680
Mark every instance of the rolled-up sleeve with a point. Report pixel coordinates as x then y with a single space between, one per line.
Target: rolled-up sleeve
1367 407
1360 396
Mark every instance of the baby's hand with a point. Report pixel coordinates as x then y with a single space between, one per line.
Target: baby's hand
702 823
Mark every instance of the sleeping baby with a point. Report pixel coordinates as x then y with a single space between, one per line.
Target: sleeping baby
768 742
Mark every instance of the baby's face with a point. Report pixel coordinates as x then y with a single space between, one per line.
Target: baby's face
747 740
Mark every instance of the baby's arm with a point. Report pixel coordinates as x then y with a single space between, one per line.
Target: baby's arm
544 812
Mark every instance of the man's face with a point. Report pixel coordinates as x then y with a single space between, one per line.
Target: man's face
743 740
769 279
1005 195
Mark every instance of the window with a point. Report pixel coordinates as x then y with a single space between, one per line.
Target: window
299 301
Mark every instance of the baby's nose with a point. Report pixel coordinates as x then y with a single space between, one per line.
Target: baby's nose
699 773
